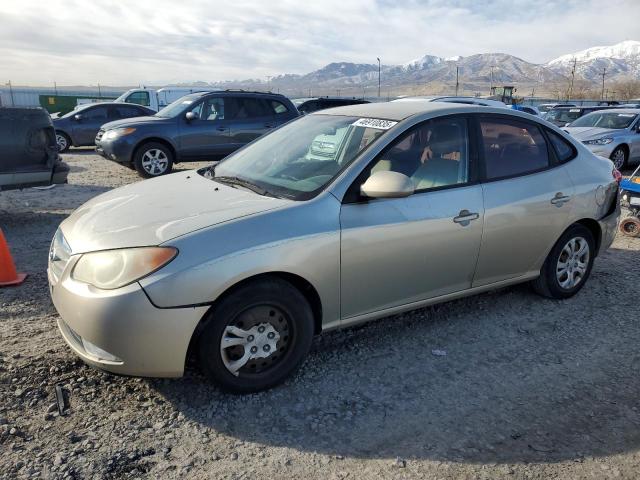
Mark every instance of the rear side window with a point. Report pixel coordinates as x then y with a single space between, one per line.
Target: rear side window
278 107
564 150
127 112
512 148
97 113
247 107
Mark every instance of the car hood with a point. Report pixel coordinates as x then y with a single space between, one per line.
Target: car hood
589 133
133 121
154 211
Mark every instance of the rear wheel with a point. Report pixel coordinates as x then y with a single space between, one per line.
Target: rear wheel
568 265
619 157
256 336
153 159
63 141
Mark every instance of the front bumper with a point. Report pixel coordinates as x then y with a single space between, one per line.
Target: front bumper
118 150
146 341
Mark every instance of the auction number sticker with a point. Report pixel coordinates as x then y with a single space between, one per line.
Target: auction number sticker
627 115
374 123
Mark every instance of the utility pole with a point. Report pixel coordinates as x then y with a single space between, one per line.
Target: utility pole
573 75
269 83
337 92
13 104
55 88
491 81
99 91
604 72
378 76
457 83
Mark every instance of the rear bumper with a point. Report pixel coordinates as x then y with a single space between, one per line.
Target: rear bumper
609 227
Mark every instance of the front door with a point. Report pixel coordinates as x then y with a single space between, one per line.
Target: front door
207 136
86 129
403 250
527 199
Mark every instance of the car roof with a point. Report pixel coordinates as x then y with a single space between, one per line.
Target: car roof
400 110
621 110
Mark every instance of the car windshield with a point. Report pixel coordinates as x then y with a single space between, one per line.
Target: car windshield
299 159
606 120
176 108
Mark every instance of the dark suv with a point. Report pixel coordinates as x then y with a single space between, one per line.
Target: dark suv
79 127
28 151
199 126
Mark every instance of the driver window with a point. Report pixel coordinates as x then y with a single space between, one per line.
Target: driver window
211 109
433 154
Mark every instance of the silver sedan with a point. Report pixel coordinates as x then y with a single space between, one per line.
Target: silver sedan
336 218
613 134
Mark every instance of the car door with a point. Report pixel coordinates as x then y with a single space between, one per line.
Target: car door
85 129
252 117
397 251
207 135
527 198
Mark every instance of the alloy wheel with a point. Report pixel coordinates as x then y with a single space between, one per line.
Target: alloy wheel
618 158
573 263
155 162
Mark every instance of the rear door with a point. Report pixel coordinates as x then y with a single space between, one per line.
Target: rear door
397 251
85 130
527 198
207 136
251 117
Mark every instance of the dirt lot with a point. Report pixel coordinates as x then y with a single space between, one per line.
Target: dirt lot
528 387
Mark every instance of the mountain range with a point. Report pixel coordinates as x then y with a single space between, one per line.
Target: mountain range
620 61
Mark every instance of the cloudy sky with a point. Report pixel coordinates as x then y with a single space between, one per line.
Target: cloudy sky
164 41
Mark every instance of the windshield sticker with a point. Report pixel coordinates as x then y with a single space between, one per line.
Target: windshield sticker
187 102
374 123
573 110
628 115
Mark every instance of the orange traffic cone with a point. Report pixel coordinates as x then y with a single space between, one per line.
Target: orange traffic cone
8 274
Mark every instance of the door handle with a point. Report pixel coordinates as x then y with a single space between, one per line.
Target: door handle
268 125
465 216
221 129
560 199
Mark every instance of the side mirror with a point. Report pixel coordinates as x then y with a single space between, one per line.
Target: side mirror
386 184
190 116
78 117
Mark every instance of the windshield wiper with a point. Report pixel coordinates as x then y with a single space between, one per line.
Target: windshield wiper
243 183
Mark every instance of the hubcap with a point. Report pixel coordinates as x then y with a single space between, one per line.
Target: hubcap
618 158
61 141
255 340
572 263
155 161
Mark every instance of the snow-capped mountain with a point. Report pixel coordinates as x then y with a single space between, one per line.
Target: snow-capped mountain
622 61
619 60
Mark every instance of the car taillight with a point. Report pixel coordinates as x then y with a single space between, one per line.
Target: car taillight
617 176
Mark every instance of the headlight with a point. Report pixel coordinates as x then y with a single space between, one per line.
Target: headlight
117 132
599 141
111 269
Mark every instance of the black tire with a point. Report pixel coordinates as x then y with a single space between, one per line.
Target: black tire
63 141
630 226
285 310
548 283
144 163
620 157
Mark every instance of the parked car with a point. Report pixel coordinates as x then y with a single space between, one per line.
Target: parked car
613 134
199 126
28 151
545 107
562 116
158 99
308 105
485 102
79 127
242 263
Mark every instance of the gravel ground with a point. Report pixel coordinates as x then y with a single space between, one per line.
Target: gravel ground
501 385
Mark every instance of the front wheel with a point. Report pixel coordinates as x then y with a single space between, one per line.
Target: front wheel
568 265
153 160
256 336
63 141
619 158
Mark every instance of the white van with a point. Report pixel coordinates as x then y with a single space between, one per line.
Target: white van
158 99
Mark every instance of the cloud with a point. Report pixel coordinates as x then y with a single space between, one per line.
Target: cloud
163 41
